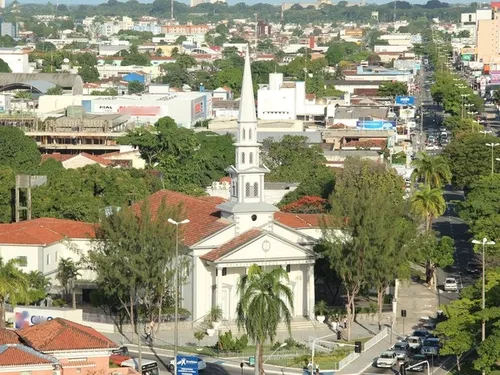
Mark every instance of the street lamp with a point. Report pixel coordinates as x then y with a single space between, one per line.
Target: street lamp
483 242
176 286
279 347
492 145
314 343
485 132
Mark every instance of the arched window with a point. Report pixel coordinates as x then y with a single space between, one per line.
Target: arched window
250 158
249 134
255 189
247 189
242 158
244 134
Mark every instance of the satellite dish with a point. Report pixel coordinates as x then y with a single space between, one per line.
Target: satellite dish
66 60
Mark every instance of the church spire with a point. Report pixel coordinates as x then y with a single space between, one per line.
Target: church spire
247 100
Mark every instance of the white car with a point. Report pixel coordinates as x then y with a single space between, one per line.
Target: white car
387 359
414 342
450 284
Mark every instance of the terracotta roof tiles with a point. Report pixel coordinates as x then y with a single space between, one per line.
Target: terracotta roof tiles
21 355
298 220
204 217
44 231
61 334
232 245
8 336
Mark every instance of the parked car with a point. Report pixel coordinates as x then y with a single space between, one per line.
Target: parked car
387 359
450 284
417 359
430 347
422 333
415 343
401 348
473 268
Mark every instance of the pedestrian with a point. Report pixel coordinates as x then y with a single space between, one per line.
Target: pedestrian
148 332
345 323
334 325
339 335
317 369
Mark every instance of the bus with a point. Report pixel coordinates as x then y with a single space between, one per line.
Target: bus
149 367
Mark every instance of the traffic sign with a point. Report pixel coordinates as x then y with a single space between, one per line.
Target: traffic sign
405 100
187 365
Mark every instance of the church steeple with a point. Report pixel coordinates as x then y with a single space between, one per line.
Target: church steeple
246 206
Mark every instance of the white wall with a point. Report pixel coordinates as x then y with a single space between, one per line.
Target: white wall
17 61
276 105
8 252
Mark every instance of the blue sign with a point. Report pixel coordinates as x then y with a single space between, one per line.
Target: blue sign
405 100
376 125
187 365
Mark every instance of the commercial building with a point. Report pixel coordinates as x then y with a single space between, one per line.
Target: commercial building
488 39
16 58
187 29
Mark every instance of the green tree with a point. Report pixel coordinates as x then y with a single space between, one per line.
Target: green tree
469 157
392 89
4 67
14 286
134 257
181 39
38 286
458 331
457 125
45 46
136 58
432 171
368 194
88 73
489 352
67 274
57 90
110 91
7 184
135 87
428 203
18 151
264 301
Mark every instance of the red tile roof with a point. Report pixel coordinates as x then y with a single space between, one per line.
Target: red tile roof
77 364
8 336
44 231
97 159
61 334
65 157
21 355
298 220
232 245
57 156
204 217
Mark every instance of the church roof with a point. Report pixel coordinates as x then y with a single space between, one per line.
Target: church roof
234 244
298 221
247 100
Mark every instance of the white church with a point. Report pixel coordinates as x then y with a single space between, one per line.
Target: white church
226 237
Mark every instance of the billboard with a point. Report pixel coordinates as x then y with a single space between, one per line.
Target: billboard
376 125
495 76
187 365
407 113
467 57
405 100
140 111
199 108
468 51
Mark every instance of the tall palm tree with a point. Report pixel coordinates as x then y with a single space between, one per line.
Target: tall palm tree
67 273
264 301
428 203
14 286
432 171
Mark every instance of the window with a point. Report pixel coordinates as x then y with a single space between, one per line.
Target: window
250 158
255 189
247 189
48 258
56 257
249 134
224 271
288 268
253 217
22 261
244 133
242 158
234 188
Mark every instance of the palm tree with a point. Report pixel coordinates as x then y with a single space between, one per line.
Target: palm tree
428 203
67 273
38 286
25 95
264 301
432 171
14 286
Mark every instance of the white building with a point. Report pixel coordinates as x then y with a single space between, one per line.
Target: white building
226 239
16 58
40 244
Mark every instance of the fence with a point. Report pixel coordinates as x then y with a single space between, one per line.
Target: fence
344 362
375 339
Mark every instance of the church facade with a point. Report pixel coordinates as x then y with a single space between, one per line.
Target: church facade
226 237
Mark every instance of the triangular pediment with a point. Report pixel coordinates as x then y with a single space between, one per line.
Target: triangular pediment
278 249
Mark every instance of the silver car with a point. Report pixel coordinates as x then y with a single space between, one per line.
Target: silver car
401 348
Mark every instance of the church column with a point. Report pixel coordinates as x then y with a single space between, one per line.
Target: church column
310 291
218 288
